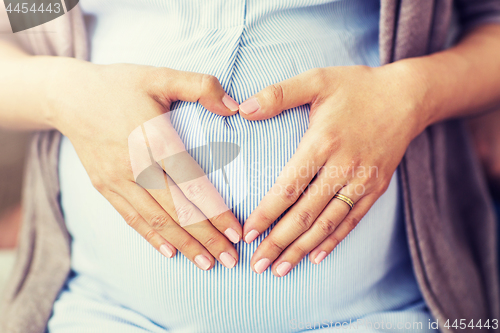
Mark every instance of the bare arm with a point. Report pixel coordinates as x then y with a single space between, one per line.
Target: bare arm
461 81
23 82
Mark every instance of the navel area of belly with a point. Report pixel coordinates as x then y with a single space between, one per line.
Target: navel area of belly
241 158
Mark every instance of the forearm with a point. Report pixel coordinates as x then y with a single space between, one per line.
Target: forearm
461 81
24 82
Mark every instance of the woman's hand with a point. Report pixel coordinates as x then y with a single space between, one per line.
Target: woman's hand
98 107
361 122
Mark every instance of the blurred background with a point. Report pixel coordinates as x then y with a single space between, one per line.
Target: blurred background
13 146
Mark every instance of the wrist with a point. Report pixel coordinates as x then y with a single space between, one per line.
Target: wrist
410 93
62 78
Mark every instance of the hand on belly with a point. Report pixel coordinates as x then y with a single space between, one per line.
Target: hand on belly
115 116
339 152
360 128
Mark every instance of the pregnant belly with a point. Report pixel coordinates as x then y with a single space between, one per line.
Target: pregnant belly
175 294
264 147
368 272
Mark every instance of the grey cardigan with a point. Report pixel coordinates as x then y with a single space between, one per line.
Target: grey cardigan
448 213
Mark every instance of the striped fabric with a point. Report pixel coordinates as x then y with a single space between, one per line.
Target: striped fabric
121 284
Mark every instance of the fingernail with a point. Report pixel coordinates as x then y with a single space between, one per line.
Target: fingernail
230 103
202 262
283 268
250 106
250 237
232 235
227 260
262 265
320 257
166 251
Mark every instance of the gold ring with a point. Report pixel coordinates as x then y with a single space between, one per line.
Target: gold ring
344 199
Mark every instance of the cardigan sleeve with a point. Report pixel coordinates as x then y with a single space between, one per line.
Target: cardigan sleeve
63 36
6 34
5 28
473 13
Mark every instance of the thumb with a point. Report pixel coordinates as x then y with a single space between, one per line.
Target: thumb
274 99
174 85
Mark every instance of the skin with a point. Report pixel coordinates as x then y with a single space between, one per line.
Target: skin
10 221
360 118
486 135
97 108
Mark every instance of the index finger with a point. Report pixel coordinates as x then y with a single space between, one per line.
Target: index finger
293 180
165 146
274 99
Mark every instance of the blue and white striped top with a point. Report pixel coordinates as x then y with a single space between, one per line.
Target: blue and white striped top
121 284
